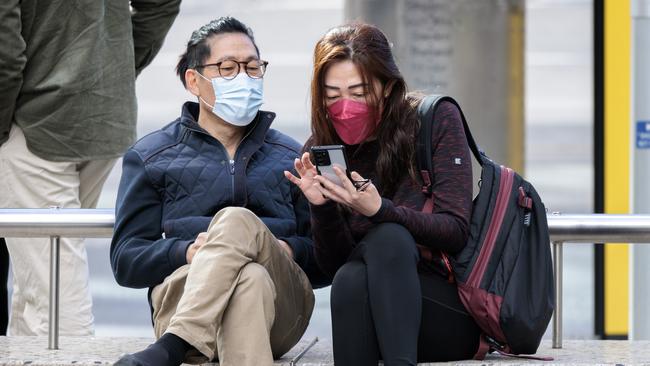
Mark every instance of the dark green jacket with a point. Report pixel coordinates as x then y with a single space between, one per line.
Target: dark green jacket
67 71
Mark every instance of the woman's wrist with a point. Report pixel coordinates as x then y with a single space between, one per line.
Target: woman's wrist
378 216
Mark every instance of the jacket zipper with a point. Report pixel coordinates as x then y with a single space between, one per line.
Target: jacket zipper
505 186
234 160
231 162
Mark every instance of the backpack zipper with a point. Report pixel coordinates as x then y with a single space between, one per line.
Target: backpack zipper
505 186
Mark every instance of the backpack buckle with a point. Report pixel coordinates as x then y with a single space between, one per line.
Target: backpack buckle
525 201
426 182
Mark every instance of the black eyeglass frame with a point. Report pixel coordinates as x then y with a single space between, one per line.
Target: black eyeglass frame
263 65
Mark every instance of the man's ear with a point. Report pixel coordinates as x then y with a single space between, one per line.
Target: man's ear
192 81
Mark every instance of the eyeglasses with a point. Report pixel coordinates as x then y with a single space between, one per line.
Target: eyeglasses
229 69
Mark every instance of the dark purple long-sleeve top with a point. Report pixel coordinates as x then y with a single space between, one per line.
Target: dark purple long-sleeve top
336 231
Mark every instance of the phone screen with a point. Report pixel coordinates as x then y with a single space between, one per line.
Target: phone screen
326 157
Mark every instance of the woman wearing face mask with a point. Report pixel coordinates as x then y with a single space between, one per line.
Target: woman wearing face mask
385 303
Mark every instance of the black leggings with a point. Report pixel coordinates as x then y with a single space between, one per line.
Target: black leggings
382 308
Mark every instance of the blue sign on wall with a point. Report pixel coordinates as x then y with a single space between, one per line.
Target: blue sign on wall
643 134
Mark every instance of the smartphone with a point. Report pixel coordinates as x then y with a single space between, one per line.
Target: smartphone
327 157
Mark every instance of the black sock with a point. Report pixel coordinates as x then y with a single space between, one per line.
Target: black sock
176 345
169 350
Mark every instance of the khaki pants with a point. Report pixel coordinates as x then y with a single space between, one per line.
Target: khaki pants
27 181
242 297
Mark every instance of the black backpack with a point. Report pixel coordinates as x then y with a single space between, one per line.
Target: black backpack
504 273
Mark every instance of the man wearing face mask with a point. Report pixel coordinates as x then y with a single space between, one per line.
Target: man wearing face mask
206 220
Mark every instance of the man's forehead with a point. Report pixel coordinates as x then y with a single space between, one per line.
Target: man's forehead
231 46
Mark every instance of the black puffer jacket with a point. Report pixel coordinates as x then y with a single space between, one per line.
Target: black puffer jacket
175 179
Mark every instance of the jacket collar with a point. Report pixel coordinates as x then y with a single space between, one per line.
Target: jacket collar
255 132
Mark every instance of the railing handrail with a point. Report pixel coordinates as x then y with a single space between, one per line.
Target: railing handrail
63 222
99 223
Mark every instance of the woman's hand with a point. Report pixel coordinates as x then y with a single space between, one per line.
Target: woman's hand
307 184
365 201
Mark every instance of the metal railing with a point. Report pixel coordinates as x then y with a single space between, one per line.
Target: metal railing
56 223
98 223
594 228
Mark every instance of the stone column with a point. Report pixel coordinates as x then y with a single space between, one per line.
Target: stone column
472 50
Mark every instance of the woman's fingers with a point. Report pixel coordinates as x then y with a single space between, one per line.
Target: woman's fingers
347 184
356 176
330 194
336 192
300 168
292 178
306 162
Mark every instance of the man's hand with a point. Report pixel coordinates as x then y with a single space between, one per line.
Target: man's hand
194 247
287 248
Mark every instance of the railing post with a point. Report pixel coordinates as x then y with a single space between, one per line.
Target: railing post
557 316
53 334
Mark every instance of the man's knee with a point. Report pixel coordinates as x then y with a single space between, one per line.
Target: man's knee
236 214
255 280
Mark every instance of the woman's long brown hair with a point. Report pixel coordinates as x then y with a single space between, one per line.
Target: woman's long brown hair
367 47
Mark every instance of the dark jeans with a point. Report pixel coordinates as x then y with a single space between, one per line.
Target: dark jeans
382 308
4 297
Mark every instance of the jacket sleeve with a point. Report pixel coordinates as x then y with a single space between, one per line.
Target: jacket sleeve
447 227
12 62
151 20
140 256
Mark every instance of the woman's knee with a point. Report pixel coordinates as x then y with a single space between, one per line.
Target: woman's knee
391 244
349 287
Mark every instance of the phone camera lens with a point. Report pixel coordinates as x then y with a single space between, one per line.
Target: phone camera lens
322 158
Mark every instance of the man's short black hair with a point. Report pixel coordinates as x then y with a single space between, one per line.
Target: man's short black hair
198 51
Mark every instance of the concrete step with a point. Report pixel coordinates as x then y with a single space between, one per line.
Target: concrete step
91 351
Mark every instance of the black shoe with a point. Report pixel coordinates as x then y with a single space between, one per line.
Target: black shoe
128 360
168 350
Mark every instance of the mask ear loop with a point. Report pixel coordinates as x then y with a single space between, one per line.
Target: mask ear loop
200 98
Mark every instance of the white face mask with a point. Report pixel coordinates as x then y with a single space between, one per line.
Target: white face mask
238 100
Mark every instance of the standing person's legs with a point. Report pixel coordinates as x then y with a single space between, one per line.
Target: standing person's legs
242 298
353 329
32 182
4 295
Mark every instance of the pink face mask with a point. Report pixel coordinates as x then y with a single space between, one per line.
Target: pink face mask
352 120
